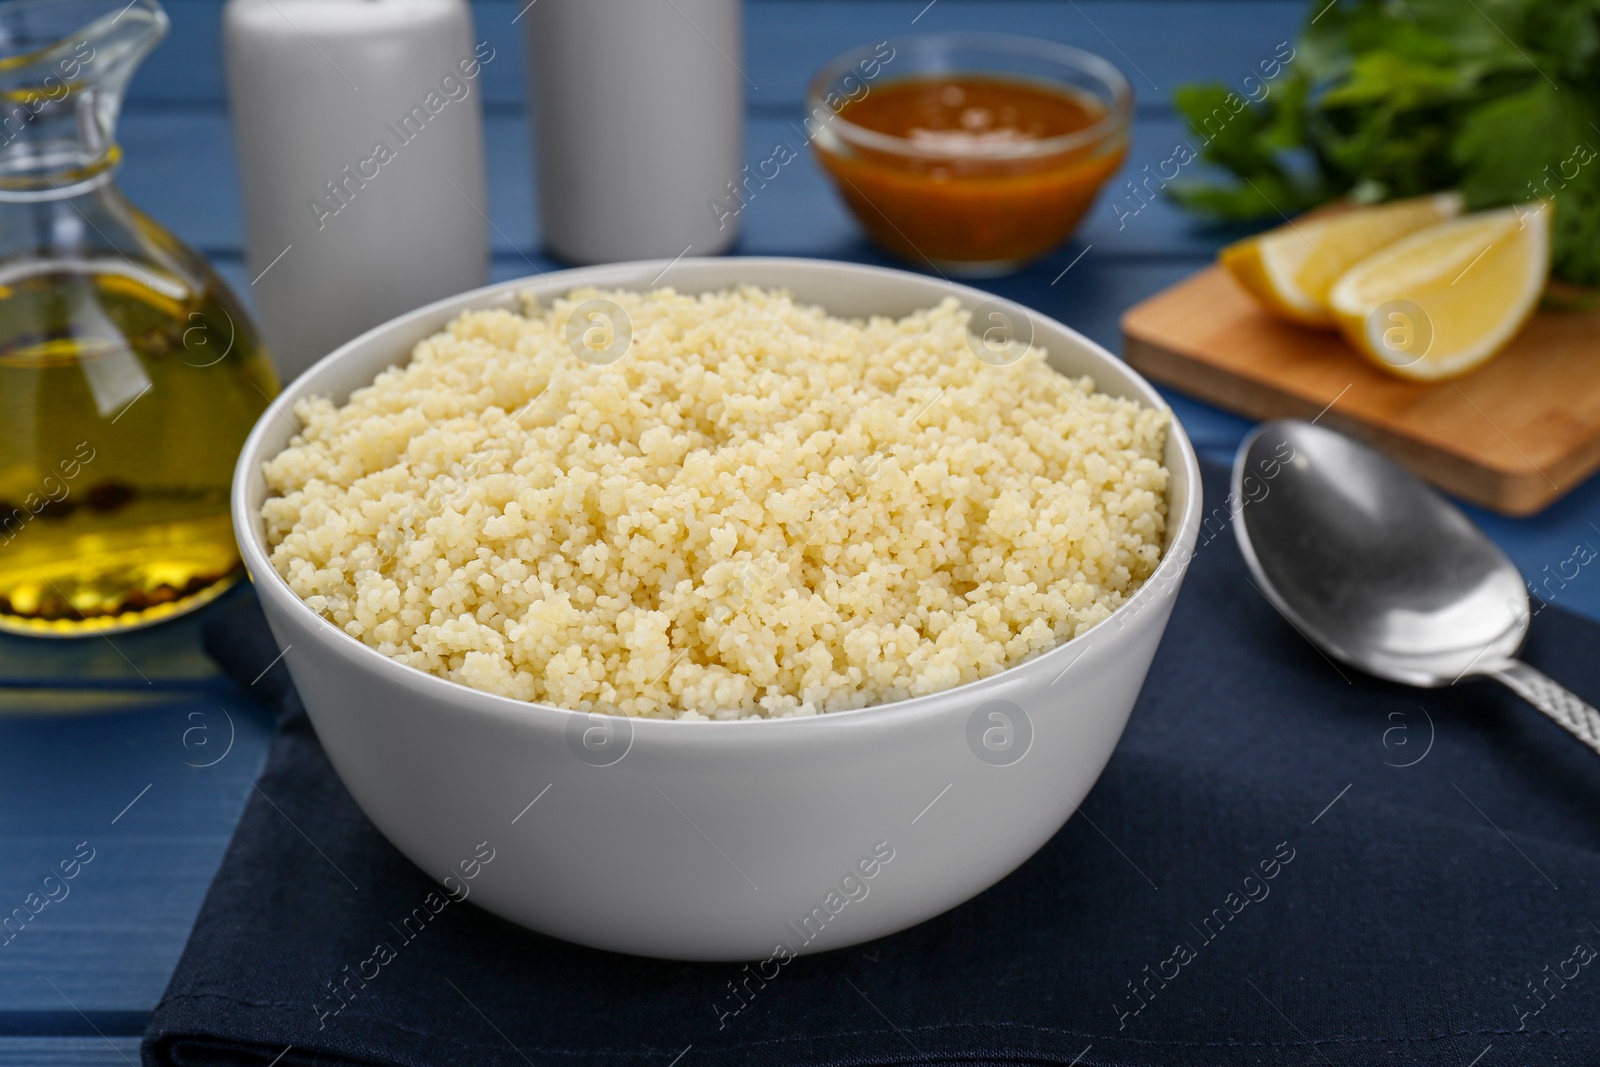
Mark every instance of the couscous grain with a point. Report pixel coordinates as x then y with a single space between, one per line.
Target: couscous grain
760 509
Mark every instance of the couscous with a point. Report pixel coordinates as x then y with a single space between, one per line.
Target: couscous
758 509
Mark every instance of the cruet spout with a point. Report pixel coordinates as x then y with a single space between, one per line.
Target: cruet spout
64 66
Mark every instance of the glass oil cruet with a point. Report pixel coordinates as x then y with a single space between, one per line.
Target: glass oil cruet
129 373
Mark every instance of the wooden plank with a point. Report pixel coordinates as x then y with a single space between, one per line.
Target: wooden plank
1158 44
154 660
1171 41
92 1051
181 170
128 788
1513 435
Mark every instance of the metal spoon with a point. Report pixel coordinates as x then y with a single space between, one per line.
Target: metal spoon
1383 573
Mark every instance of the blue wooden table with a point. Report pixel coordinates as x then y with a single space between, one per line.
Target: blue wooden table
140 754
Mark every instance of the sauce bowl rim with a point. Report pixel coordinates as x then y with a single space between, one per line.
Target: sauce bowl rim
1116 120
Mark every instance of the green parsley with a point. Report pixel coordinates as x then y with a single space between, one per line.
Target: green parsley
1392 98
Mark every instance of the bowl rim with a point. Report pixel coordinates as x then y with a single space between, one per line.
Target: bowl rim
269 584
1116 120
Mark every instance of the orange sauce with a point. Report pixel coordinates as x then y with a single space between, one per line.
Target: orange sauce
953 200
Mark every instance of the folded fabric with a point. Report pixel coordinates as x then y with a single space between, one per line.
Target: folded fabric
1284 862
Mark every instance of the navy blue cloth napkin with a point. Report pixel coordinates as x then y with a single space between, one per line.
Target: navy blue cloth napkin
1285 862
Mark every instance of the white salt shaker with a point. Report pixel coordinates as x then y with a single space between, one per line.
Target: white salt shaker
639 115
360 145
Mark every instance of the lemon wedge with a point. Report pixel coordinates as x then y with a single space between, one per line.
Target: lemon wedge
1443 301
1291 269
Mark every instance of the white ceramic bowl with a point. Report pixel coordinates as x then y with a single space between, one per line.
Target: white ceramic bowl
718 840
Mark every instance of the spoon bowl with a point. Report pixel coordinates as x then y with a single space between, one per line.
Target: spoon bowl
1381 571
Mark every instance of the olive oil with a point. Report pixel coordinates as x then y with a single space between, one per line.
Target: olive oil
129 374
126 392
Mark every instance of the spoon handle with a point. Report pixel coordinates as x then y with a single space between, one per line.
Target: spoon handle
1554 699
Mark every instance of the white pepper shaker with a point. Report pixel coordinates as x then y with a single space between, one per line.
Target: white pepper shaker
639 118
360 145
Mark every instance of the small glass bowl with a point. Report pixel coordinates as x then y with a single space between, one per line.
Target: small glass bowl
963 206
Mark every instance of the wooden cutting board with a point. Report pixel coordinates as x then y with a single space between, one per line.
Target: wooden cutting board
1514 435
